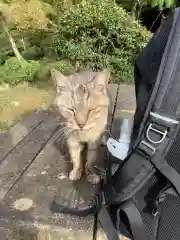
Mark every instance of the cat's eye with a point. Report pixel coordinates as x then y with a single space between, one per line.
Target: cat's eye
71 110
94 109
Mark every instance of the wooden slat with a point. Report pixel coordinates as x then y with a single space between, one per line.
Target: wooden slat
10 139
125 107
126 101
41 183
23 154
113 89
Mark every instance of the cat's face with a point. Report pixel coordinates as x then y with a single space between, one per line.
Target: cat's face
82 98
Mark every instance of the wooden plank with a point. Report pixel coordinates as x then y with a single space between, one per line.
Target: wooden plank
126 101
41 182
113 90
16 162
10 139
125 107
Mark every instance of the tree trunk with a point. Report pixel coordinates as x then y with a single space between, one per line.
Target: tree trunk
139 10
133 11
24 45
12 42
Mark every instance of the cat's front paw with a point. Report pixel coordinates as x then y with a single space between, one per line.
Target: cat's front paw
75 174
93 178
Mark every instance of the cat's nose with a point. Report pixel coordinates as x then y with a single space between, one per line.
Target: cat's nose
81 125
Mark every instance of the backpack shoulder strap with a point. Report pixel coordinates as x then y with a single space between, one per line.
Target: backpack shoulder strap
134 217
107 224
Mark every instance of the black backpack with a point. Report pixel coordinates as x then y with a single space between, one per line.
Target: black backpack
141 200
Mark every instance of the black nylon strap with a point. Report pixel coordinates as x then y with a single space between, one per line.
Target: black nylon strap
158 160
57 208
107 224
135 220
130 179
92 209
169 172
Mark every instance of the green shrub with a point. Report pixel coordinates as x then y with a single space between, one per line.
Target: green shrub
13 72
42 39
32 53
63 66
3 57
43 73
99 34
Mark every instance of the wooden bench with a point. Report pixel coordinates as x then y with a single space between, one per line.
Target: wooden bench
31 164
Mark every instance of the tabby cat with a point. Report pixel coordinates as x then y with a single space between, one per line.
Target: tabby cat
82 100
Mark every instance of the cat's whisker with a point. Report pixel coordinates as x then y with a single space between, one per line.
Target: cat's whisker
61 132
65 134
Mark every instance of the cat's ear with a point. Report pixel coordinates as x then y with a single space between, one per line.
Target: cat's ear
58 78
60 81
100 81
102 78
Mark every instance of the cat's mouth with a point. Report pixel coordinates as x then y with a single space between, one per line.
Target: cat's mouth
88 127
82 129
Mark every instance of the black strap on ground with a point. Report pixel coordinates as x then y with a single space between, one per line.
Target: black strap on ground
95 227
135 220
107 224
94 208
58 208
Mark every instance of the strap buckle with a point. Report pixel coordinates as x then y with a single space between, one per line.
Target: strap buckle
154 135
151 128
103 198
155 211
147 148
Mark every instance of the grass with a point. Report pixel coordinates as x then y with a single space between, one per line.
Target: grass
20 100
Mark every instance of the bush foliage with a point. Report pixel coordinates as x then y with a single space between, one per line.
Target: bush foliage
43 73
93 34
32 53
100 34
12 72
